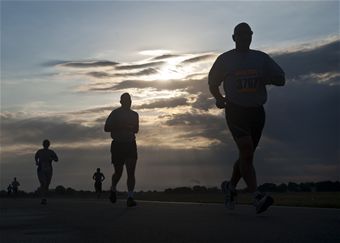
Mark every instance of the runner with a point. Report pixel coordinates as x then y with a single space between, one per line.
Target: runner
245 74
43 159
123 124
99 178
15 186
9 189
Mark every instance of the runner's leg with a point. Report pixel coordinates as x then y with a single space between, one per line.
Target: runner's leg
246 154
130 169
236 175
116 175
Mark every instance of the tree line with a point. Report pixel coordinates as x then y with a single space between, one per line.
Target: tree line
322 186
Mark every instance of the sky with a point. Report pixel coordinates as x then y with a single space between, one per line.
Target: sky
65 64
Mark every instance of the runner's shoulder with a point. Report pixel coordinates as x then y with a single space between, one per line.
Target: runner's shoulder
259 53
226 55
134 113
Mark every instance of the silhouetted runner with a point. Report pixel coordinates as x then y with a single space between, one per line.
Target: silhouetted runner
123 124
99 178
245 74
15 186
9 190
43 159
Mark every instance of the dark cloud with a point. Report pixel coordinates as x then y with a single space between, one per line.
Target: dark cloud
139 66
200 125
165 56
53 63
321 59
191 85
34 130
305 118
164 103
99 74
146 71
198 59
204 102
94 110
89 64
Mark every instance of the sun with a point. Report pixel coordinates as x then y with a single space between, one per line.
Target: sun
172 70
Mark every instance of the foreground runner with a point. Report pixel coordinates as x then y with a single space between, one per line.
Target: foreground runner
99 178
245 74
123 123
43 159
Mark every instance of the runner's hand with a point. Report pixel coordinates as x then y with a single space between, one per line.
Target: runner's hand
220 103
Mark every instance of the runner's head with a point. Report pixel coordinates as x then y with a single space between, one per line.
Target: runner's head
98 169
46 143
125 100
242 36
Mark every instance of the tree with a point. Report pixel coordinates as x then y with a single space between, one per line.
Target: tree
60 190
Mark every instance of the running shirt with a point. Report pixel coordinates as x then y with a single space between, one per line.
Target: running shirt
244 76
44 157
123 124
97 176
15 184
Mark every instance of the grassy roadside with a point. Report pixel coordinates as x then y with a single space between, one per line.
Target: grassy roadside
298 199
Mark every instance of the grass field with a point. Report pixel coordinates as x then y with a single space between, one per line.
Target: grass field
300 199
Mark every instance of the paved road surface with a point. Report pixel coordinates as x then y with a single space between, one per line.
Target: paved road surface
97 221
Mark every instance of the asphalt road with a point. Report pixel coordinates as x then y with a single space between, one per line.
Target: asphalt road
96 221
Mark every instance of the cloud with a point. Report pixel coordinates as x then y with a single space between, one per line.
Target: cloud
88 64
139 66
99 74
321 59
198 58
164 103
57 128
165 56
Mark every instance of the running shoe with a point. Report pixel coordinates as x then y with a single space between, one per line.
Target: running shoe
262 202
113 196
131 202
229 195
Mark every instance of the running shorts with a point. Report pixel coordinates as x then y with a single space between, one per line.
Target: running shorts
98 186
122 151
245 121
45 175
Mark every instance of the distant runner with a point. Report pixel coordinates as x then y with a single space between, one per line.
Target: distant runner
123 124
9 190
99 178
15 186
244 74
43 159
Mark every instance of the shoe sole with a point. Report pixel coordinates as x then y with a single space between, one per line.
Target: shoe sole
267 203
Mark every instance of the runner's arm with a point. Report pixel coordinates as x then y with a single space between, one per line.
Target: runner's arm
54 156
37 158
136 125
108 123
215 79
274 74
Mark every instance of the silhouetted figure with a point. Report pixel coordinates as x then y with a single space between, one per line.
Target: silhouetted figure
15 186
43 159
9 190
99 178
123 124
245 74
